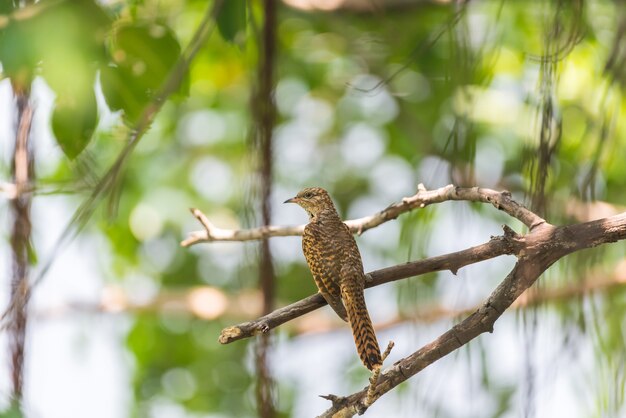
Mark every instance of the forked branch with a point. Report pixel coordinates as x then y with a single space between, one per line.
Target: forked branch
421 199
543 245
497 246
541 248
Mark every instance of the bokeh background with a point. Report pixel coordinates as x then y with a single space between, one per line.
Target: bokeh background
372 98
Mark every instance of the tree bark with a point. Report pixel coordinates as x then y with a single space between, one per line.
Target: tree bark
23 175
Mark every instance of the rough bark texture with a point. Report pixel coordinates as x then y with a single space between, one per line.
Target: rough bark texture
539 250
506 244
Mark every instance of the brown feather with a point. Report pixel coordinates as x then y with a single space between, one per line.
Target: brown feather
322 268
336 266
359 318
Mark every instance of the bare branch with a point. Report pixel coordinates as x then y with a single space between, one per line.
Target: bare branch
423 198
497 246
480 321
213 233
542 247
536 251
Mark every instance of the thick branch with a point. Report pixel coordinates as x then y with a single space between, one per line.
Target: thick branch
497 246
423 198
482 320
542 248
536 251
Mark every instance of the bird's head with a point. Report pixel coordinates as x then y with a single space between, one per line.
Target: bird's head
314 200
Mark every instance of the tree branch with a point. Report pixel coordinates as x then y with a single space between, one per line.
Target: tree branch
542 247
212 233
423 198
497 246
494 248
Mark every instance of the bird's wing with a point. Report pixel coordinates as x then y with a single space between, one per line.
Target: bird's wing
325 271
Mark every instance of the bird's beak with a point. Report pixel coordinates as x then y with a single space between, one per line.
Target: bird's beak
292 200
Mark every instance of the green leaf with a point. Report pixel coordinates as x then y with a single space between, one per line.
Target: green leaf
73 122
143 57
121 94
64 36
231 19
18 52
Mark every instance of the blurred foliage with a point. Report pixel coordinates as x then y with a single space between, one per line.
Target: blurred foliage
13 412
231 19
143 55
49 39
370 105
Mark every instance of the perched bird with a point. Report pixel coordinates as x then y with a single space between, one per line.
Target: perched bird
335 262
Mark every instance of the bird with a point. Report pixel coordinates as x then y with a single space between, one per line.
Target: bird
335 263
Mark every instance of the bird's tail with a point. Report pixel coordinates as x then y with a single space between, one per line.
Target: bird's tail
362 328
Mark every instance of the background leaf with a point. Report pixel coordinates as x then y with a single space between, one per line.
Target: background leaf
143 56
74 120
232 19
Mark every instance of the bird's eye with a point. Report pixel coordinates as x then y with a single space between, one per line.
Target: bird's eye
308 195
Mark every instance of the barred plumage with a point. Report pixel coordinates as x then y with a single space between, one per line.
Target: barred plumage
335 262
